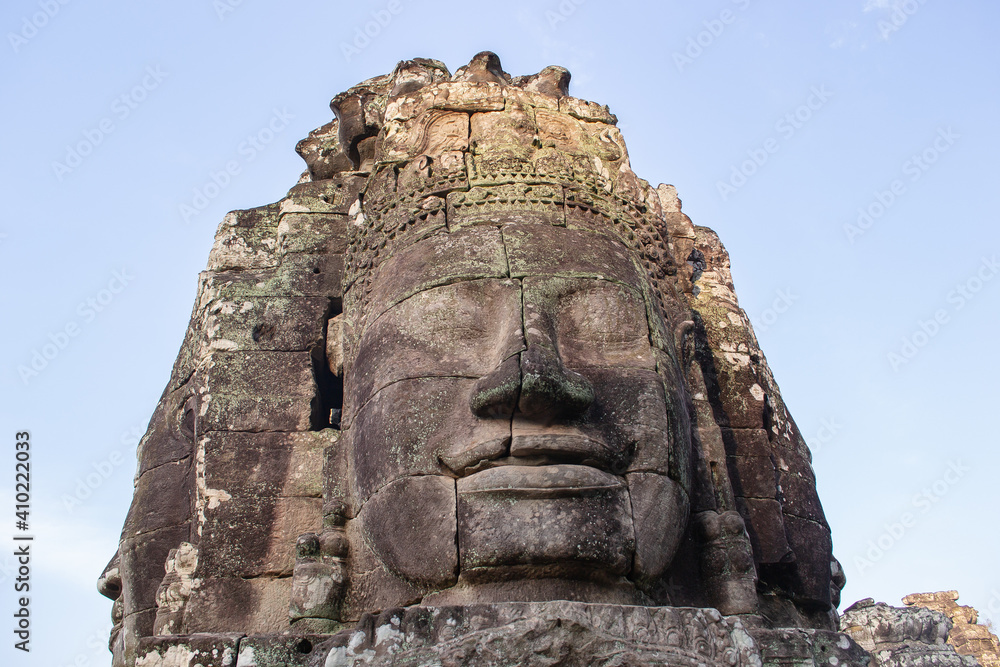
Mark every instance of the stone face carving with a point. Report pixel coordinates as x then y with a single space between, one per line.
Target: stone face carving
528 421
966 635
470 359
900 637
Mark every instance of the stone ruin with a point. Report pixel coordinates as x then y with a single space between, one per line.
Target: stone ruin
966 634
472 393
932 629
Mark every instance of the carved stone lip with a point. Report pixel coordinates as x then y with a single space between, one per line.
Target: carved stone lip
565 445
542 481
532 446
116 630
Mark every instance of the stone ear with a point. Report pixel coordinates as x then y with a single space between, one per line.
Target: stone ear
684 343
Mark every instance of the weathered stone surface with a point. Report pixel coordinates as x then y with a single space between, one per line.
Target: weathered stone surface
518 515
547 391
265 323
598 324
754 477
808 647
901 637
727 567
253 374
259 391
147 551
333 195
175 589
966 635
313 274
228 412
766 527
166 499
318 580
746 442
415 541
279 464
660 510
531 634
171 432
246 240
322 152
503 204
463 329
253 605
510 132
312 233
411 426
370 585
208 649
229 550
468 255
431 134
284 650
809 541
573 254
573 633
273 480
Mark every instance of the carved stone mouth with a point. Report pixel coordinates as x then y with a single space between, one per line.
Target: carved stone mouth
563 447
116 630
533 446
541 481
477 457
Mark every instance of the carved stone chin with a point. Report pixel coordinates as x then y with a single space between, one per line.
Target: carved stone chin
471 368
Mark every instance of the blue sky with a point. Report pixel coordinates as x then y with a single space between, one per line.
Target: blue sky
845 153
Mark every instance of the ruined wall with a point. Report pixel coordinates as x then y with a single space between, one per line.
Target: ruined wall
966 635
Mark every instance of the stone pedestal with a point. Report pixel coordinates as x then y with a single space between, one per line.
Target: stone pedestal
521 633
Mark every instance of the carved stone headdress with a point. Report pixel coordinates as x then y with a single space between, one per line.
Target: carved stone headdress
483 147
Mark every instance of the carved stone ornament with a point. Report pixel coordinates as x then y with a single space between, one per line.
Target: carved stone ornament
472 393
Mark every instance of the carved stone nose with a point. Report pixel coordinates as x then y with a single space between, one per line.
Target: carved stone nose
109 584
535 384
548 389
495 395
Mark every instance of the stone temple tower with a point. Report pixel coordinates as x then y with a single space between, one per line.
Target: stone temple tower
472 393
